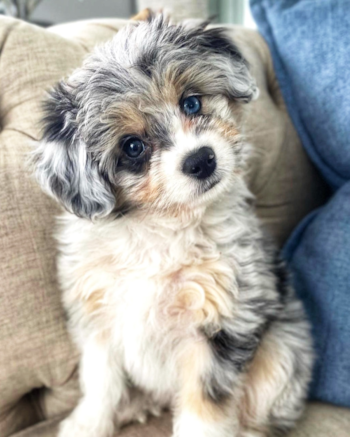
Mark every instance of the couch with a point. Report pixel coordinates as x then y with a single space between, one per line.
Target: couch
38 362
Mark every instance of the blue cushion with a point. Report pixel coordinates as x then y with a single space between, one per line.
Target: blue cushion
309 41
319 254
310 45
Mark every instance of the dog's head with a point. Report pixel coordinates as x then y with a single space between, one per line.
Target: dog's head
150 120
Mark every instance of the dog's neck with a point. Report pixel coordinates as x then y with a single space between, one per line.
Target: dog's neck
182 217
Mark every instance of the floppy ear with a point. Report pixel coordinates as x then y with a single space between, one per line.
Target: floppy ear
240 85
64 167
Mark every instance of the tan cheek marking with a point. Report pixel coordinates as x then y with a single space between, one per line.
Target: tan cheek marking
227 130
147 191
180 211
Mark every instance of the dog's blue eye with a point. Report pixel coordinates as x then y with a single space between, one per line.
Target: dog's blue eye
191 105
133 147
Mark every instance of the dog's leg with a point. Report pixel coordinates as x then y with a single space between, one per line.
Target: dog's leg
197 412
102 384
277 381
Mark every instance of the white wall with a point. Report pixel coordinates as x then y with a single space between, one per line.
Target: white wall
57 11
248 20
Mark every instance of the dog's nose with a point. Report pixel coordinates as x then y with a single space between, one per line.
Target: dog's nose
201 164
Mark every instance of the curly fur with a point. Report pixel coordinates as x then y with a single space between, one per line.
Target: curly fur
174 295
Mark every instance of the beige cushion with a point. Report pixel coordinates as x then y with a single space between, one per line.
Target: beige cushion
38 377
320 420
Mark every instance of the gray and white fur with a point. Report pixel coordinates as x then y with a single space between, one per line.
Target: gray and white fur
174 296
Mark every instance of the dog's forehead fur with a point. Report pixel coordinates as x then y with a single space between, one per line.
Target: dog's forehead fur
137 79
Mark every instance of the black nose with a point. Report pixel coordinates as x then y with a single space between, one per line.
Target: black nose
201 164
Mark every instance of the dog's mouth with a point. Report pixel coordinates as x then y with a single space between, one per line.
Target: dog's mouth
208 185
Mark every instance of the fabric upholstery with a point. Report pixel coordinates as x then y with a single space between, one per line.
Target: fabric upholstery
320 420
38 363
309 42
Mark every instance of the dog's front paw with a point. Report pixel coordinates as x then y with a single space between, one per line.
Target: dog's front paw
137 409
71 427
75 426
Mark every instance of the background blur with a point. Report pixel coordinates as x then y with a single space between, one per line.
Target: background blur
48 12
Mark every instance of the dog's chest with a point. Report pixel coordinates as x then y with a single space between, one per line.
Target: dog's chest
154 288
150 273
182 284
166 277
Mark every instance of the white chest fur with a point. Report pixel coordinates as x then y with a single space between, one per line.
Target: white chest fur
149 285
147 298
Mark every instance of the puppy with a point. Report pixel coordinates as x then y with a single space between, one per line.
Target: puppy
174 296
